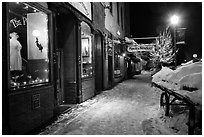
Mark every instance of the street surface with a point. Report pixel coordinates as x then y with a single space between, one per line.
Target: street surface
130 108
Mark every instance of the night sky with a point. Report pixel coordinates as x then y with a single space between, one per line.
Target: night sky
149 18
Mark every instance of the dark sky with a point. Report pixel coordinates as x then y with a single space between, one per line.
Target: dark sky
148 18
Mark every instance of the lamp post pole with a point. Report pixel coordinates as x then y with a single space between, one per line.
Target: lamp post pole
175 48
174 21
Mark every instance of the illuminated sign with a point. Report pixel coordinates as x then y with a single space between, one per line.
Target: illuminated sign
83 7
180 35
132 48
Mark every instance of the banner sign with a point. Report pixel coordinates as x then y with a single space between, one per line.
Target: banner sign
132 48
180 35
83 7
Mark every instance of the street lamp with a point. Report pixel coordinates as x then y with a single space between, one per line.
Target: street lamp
174 21
195 59
195 55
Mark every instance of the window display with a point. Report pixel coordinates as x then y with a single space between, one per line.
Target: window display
117 52
116 65
15 52
86 51
28 44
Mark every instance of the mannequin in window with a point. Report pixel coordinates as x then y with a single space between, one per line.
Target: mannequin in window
15 53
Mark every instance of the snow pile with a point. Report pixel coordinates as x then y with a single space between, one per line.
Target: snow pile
192 80
162 77
189 62
159 76
182 71
186 80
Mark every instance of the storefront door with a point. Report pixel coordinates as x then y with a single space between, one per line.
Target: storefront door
98 64
67 89
110 71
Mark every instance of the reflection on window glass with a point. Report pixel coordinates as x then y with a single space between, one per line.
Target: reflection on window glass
86 51
28 34
86 56
117 58
116 65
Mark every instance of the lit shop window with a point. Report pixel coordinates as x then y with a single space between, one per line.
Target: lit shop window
117 57
86 51
28 44
116 65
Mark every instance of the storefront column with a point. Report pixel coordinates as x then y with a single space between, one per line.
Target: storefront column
78 67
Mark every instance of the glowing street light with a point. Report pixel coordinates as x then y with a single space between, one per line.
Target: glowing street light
174 20
195 55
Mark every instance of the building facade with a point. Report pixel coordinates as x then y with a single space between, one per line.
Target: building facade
58 53
116 28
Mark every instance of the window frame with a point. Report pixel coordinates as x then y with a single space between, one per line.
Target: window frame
50 46
117 63
90 39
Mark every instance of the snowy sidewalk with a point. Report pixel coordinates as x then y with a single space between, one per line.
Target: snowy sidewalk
130 108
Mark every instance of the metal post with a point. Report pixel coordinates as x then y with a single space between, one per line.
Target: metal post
175 46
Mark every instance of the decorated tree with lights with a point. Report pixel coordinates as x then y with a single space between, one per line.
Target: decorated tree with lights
164 50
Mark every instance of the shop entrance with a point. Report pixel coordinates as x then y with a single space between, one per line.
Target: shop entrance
98 63
66 47
110 71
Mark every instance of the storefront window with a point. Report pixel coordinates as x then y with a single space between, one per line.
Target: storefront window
28 44
116 65
86 51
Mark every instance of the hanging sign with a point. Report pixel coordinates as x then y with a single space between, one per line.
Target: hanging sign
83 7
132 48
180 35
